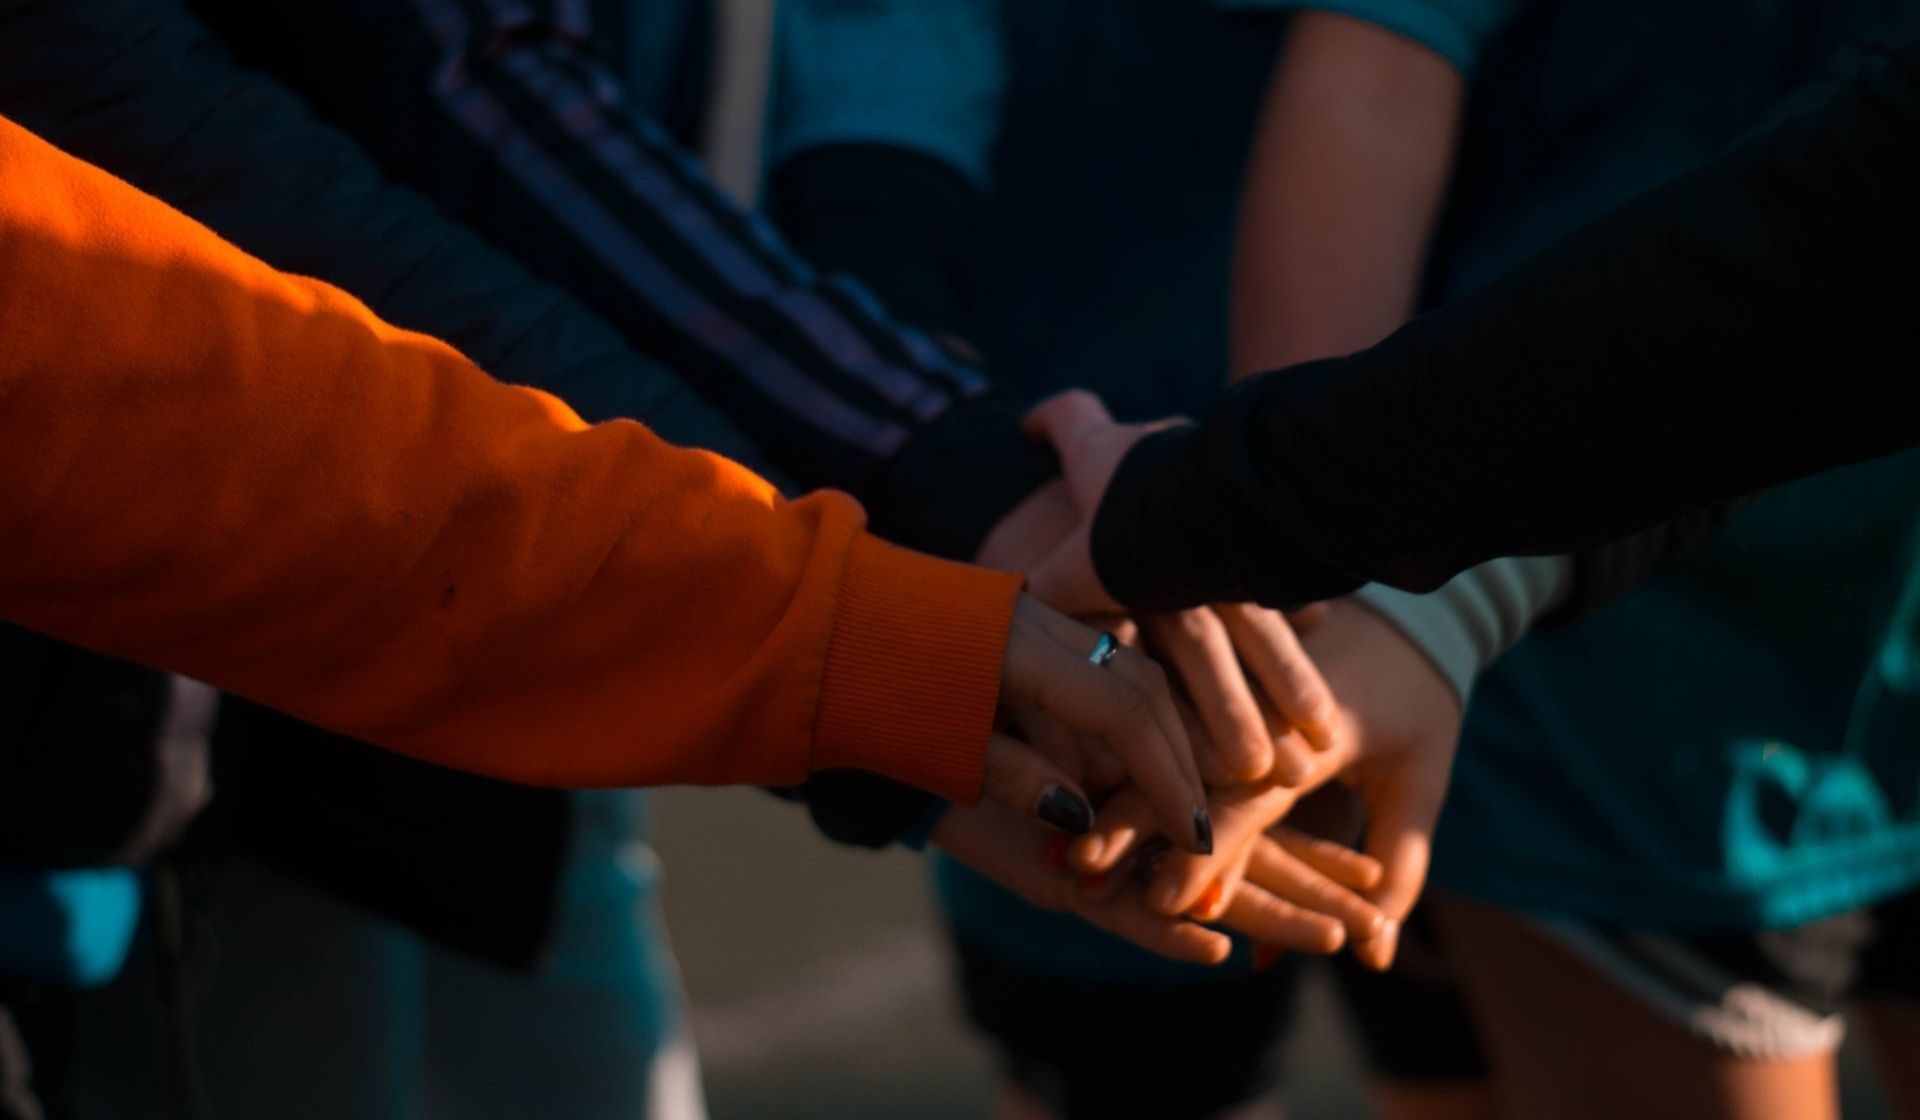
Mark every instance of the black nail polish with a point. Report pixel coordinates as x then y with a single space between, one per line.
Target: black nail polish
1066 810
1203 831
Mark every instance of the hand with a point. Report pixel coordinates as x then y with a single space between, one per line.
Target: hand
1394 736
1090 445
1124 706
1276 903
1028 860
1212 649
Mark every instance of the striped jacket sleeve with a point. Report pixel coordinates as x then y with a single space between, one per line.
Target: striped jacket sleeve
581 186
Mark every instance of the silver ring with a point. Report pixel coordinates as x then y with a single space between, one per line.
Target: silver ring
1105 648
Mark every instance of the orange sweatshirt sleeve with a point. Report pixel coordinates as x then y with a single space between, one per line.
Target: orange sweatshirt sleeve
245 476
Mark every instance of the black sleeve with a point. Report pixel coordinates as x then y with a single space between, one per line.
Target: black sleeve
1746 324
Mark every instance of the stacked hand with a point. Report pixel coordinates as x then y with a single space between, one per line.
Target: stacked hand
1266 728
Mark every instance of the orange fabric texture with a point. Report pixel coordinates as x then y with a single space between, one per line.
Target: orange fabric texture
245 476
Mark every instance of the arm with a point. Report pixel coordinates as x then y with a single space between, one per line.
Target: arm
1656 361
1349 165
247 477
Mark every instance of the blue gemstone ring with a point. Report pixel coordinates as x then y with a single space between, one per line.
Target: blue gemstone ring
1104 649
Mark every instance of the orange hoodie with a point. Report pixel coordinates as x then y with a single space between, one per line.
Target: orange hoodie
245 476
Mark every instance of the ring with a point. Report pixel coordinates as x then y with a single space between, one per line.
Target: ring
1104 649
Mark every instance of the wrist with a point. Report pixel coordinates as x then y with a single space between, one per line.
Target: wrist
1471 619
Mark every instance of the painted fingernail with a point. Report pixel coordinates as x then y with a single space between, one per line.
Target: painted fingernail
1208 901
1056 857
1066 810
1202 832
1266 956
1165 896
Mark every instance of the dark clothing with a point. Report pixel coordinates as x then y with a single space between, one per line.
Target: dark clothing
77 762
1657 361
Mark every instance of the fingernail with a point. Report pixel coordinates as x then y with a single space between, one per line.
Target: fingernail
1066 810
1266 956
1056 857
1094 881
1202 832
1209 899
1165 895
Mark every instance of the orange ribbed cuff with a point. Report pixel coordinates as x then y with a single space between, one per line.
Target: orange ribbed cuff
913 668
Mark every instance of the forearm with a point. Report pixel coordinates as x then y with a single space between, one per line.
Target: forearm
244 476
1721 334
1348 169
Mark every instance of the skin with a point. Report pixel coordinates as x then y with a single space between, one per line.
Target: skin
1609 1054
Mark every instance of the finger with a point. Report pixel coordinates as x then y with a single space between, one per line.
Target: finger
1294 759
1334 860
1103 771
1065 420
1403 807
1179 797
1274 921
1019 856
1123 820
1285 876
1170 937
1213 770
1184 881
1216 895
1288 677
1197 644
1125 704
1055 743
1025 781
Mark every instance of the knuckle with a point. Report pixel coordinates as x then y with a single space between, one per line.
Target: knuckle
1195 624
